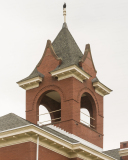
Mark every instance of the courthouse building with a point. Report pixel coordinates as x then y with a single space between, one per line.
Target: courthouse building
65 82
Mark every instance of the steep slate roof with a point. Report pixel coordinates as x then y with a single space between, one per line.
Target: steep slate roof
11 121
34 74
113 153
66 48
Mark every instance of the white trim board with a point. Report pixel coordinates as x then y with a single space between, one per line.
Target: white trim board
30 83
50 141
101 89
71 71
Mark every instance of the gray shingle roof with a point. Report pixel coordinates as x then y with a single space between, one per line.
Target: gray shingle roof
11 121
66 48
34 74
95 80
113 153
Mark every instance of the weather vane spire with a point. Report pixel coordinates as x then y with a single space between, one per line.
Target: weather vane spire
64 12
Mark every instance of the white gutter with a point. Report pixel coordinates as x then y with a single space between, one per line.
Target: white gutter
37 154
37 148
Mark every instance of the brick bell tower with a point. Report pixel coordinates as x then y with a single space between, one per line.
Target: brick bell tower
65 81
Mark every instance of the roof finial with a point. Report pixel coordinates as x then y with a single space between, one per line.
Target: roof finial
64 12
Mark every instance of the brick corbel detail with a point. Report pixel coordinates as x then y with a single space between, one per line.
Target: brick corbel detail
87 49
49 45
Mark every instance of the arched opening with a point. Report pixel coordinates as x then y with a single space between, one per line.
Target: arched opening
85 116
44 117
88 110
49 106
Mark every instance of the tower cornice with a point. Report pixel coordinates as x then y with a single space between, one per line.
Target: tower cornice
71 71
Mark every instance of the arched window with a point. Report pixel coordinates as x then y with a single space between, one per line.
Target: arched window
44 116
88 111
49 108
85 116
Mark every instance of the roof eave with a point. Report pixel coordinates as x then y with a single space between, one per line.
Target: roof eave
101 89
30 83
51 141
71 71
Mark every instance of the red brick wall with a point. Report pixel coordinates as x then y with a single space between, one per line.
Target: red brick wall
70 91
88 66
46 154
82 131
17 152
124 145
124 158
27 151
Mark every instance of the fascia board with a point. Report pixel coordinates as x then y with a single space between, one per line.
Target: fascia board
62 70
70 68
92 151
37 130
82 72
46 134
123 149
13 129
36 79
98 84
123 152
68 76
99 92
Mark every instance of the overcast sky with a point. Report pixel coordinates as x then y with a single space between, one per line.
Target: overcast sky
25 27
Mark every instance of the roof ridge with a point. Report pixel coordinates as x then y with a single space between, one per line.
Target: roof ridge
22 118
7 114
15 116
75 41
11 121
